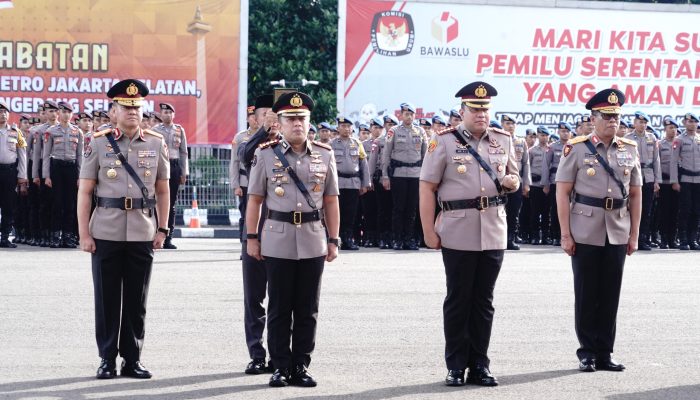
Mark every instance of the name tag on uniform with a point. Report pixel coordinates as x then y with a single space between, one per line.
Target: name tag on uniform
147 153
339 152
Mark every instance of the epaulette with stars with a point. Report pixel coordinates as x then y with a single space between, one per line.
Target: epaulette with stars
103 132
322 145
446 130
153 133
498 130
268 144
627 141
578 139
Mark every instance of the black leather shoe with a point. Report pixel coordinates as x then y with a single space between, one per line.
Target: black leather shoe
107 369
279 378
455 377
694 246
556 242
610 365
480 375
410 244
168 244
301 377
511 245
683 246
643 245
135 370
256 367
7 244
397 245
587 365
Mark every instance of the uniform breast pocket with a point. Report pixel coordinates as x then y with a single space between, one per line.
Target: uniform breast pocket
582 209
274 227
498 162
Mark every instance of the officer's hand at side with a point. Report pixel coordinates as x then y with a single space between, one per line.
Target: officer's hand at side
432 240
159 240
632 245
510 182
676 187
48 182
363 191
87 243
545 189
332 252
36 181
386 184
183 179
656 187
568 245
238 191
526 191
253 249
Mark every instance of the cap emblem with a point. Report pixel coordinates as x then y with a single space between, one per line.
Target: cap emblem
132 90
296 101
480 91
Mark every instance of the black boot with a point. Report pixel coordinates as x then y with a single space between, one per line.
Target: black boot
169 243
643 243
55 242
536 238
31 240
410 244
385 241
546 239
19 237
663 243
371 239
397 244
5 242
347 242
45 238
511 244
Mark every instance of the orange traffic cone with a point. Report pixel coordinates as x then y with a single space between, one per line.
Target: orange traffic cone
194 219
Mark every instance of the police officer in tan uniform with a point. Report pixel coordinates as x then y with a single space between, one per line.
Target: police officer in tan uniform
584 126
668 198
13 172
353 178
624 128
121 233
685 178
60 164
22 229
39 138
599 201
515 199
293 242
539 200
237 173
401 161
383 196
176 139
648 148
472 168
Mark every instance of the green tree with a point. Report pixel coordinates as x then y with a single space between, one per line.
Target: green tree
291 40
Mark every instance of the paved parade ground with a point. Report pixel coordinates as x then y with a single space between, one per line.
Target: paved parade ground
379 334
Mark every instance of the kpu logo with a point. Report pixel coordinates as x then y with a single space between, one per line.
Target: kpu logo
445 28
392 33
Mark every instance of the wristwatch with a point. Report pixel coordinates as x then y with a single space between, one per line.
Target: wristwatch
164 230
335 241
251 236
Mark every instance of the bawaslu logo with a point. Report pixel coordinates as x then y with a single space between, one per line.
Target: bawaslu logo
392 33
444 28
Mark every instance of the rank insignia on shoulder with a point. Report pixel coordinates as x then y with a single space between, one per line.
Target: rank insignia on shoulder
446 130
268 143
501 131
627 141
578 139
322 145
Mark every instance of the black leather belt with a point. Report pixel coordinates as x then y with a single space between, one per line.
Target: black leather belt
536 178
348 175
243 172
646 165
607 203
125 203
63 162
175 161
665 176
8 166
687 172
401 164
480 203
295 217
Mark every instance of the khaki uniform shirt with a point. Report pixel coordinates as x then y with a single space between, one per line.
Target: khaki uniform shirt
350 158
61 144
469 229
665 155
523 160
588 224
148 155
39 137
317 170
553 156
538 165
375 156
686 154
406 144
176 140
13 148
648 148
237 179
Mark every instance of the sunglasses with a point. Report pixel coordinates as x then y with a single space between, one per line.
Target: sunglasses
608 117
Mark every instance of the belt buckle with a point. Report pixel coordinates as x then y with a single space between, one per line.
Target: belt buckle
608 203
128 203
483 203
296 218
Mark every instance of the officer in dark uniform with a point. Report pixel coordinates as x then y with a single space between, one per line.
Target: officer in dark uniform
13 172
515 199
254 273
61 163
668 198
39 138
297 180
353 178
122 234
471 167
176 140
22 230
599 201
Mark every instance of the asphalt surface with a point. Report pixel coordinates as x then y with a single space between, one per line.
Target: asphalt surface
379 334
